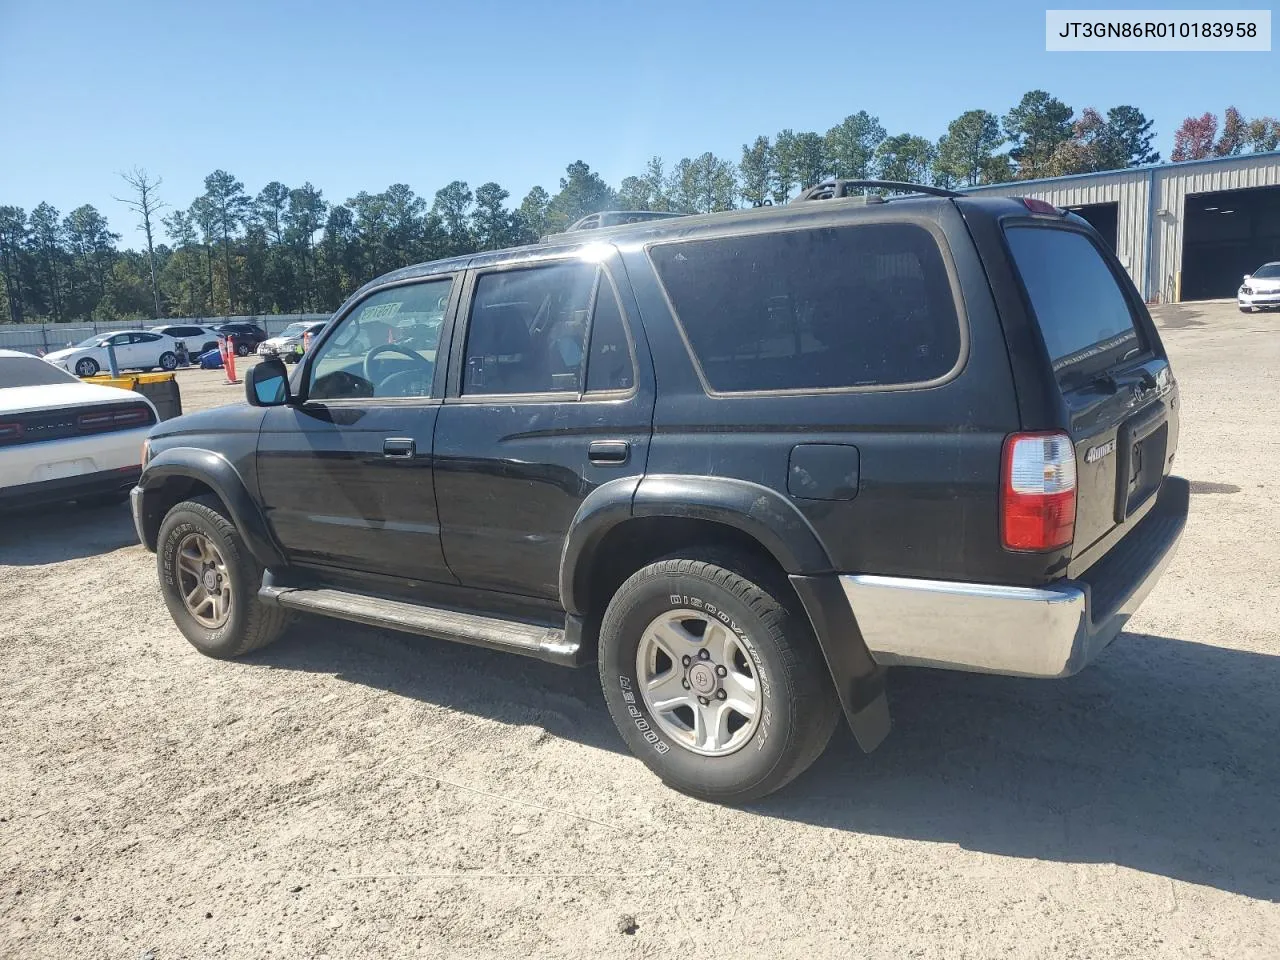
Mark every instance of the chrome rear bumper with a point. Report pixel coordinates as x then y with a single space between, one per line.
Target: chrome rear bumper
1048 631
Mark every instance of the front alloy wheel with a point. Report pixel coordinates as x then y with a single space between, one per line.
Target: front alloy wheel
204 581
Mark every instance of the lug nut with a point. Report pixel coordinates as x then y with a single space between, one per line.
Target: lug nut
686 659
720 694
703 655
704 701
721 671
685 684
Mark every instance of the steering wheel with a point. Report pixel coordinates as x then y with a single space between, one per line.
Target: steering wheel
427 366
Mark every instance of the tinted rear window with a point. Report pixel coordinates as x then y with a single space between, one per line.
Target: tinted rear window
1080 307
867 305
30 372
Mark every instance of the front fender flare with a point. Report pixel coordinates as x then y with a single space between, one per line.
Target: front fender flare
216 472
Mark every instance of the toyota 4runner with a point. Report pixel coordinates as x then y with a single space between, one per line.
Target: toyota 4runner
744 461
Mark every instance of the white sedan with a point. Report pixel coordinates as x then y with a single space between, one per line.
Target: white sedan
61 439
135 350
288 345
1261 289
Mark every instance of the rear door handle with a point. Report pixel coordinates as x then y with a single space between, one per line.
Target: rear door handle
399 448
609 452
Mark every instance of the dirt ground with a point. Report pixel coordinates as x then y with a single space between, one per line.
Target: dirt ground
355 793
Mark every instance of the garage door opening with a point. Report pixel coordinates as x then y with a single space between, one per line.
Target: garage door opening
1103 217
1225 236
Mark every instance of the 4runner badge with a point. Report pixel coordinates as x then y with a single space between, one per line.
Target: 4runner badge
1094 454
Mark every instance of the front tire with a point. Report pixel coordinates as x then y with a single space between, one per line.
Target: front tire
714 679
168 361
1246 309
242 350
87 367
210 582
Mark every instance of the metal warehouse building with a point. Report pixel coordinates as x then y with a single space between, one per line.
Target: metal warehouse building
1184 231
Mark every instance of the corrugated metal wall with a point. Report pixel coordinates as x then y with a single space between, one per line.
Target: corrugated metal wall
1130 189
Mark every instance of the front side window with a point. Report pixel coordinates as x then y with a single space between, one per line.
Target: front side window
385 347
527 331
1076 299
822 308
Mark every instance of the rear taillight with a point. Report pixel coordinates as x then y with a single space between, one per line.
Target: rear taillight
10 432
1041 206
113 419
1038 491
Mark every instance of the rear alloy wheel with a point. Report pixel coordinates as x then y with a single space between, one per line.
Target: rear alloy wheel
168 360
714 678
699 681
87 367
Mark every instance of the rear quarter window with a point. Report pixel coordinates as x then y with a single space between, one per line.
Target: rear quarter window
1082 311
861 306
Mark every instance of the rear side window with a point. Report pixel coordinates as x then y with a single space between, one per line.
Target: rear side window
1080 307
834 307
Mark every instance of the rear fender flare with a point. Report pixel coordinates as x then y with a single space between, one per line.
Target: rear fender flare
774 522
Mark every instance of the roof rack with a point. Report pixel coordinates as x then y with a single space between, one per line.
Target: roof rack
837 187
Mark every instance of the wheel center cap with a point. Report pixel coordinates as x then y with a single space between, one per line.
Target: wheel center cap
210 579
702 677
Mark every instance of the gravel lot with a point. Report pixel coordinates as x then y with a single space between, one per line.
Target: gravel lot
355 793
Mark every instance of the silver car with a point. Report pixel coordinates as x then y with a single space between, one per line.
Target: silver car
1261 289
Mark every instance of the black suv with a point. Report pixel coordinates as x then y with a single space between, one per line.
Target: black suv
746 461
247 336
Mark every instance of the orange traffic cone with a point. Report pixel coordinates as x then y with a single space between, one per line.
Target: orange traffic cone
230 362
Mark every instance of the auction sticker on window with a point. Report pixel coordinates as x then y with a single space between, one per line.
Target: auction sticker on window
1139 30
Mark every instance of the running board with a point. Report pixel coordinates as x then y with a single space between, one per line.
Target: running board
514 636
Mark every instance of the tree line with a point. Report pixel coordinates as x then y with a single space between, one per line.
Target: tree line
290 250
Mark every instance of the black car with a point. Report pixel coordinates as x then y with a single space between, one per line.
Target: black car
744 461
246 336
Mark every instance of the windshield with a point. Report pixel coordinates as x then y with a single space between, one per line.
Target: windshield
30 372
1268 271
295 330
92 341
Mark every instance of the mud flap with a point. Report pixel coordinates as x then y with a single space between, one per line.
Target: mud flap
859 680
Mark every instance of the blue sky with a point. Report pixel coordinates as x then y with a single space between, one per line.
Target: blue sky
359 95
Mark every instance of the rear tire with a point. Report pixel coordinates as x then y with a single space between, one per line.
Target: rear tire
168 360
87 367
199 548
755 638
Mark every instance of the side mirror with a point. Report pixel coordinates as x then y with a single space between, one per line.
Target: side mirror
267 384
1247 276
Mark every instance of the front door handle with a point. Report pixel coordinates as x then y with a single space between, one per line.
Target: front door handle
399 448
609 452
